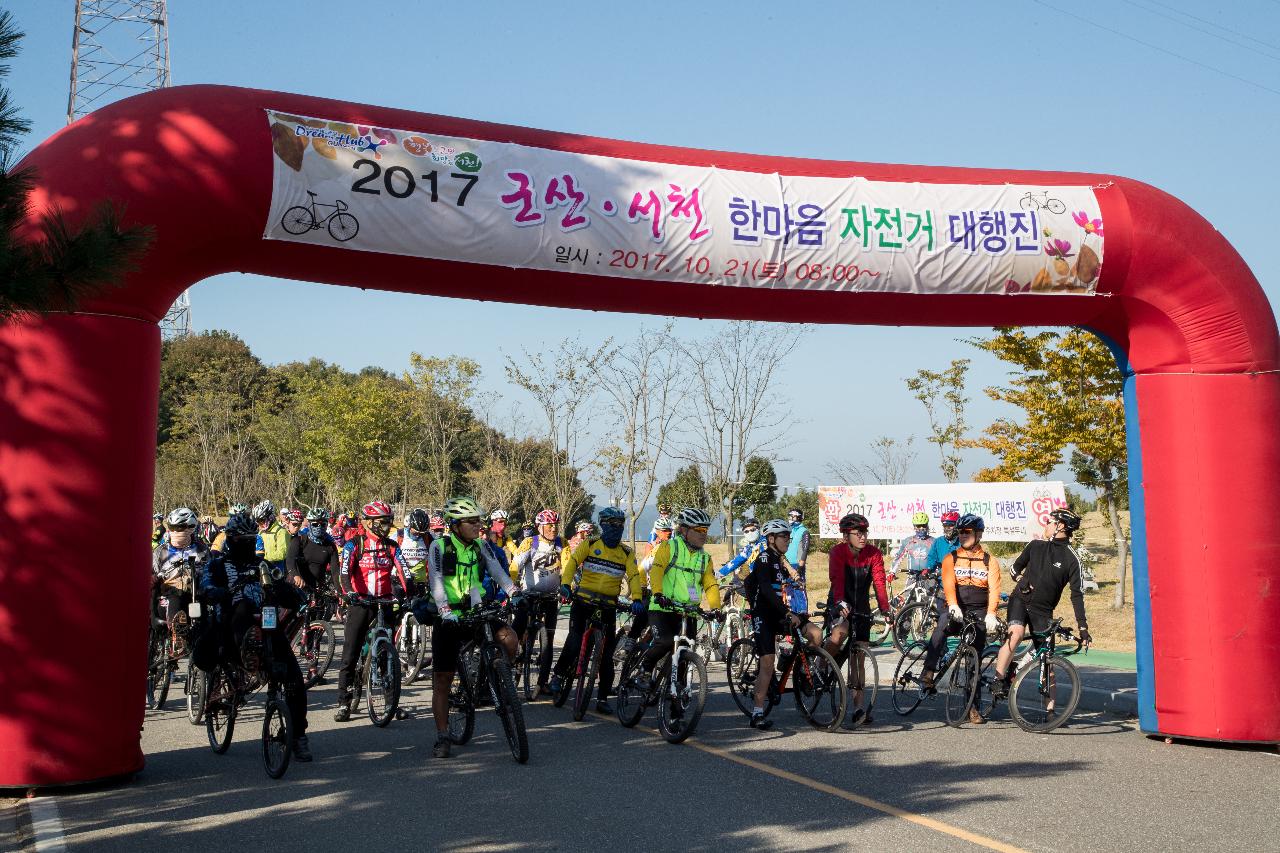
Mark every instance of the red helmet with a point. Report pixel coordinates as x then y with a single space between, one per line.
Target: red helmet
293 515
547 516
376 509
950 517
437 521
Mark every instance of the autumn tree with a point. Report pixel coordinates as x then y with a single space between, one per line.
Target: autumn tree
942 395
1070 391
444 390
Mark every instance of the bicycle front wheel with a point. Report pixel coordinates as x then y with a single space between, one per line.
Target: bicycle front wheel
862 682
589 661
631 691
1044 694
196 688
962 684
678 715
819 688
881 627
742 666
277 737
531 661
509 708
298 220
220 711
984 697
906 693
383 682
409 647
343 226
914 624
462 708
314 649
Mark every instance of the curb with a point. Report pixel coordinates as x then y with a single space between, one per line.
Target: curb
1123 703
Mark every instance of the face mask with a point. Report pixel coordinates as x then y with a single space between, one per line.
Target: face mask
750 536
179 538
950 535
922 534
380 527
611 535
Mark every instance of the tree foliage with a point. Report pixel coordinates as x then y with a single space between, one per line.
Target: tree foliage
686 489
759 489
942 395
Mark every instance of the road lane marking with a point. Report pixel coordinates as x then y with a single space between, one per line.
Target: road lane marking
866 802
46 825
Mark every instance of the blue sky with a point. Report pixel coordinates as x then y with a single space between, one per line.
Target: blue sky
1180 94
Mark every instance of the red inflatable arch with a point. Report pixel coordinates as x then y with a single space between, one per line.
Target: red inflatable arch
1190 326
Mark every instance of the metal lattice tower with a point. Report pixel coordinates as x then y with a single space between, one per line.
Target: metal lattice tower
120 48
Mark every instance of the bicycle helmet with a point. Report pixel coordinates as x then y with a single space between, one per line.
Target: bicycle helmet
240 524
775 527
749 522
611 514
459 508
1068 518
664 509
264 511
795 514
157 517
969 521
664 524
920 518
854 521
693 517
950 517
237 508
437 521
180 518
547 516
585 527
375 509
317 515
418 521
293 516
498 515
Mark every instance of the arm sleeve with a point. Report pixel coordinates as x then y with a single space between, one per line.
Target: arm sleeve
835 571
802 553
569 565
1020 564
634 588
711 586
291 555
334 565
435 576
877 581
993 586
949 579
406 574
937 552
661 557
259 546
1076 581
344 568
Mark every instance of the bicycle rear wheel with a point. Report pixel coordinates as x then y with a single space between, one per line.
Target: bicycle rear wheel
530 660
881 627
314 649
962 684
914 624
462 709
277 737
862 673
298 220
383 682
678 715
742 667
631 691
1044 694
509 708
409 645
590 665
819 688
906 680
220 711
196 688
984 698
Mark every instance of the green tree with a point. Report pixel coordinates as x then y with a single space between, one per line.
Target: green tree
1071 393
760 486
942 394
63 265
450 436
805 500
686 489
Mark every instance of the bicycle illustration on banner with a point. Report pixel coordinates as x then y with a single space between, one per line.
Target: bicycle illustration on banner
301 218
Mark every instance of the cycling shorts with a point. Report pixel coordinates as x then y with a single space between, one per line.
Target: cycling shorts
861 626
1036 617
764 635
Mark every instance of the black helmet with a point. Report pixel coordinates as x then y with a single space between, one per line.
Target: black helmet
419 520
969 521
240 524
1069 519
854 521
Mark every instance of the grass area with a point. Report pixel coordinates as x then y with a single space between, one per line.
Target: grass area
1111 629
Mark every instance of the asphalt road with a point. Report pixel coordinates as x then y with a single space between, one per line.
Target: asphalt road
910 784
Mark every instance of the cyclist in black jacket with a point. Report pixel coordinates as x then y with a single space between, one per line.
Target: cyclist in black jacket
1042 571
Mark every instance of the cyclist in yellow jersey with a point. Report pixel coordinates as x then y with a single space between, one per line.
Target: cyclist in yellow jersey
596 572
683 573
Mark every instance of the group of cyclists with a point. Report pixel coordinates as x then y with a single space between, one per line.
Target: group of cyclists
448 563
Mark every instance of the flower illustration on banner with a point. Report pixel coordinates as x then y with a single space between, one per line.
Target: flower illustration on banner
1060 249
1090 226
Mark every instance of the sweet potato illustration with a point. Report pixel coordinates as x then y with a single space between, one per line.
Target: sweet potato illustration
1086 266
288 145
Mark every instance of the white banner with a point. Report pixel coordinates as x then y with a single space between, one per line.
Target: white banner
1012 512
414 192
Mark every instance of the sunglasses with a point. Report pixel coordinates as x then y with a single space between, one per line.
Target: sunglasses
967 530
702 528
611 523
468 521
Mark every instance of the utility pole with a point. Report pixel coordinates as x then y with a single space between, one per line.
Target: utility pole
121 48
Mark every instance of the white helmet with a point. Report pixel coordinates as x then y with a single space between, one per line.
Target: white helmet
498 515
774 527
264 511
693 517
180 518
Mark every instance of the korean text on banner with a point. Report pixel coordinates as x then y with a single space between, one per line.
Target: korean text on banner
1012 512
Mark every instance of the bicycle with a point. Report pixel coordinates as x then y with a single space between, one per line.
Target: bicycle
413 644
1035 700
168 643
590 656
492 670
918 624
537 642
862 672
715 637
679 688
818 687
230 685
301 218
1042 201
312 639
959 668
379 667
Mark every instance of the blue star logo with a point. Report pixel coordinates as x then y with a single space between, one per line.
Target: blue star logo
368 143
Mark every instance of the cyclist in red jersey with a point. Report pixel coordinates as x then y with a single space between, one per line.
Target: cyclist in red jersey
855 567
